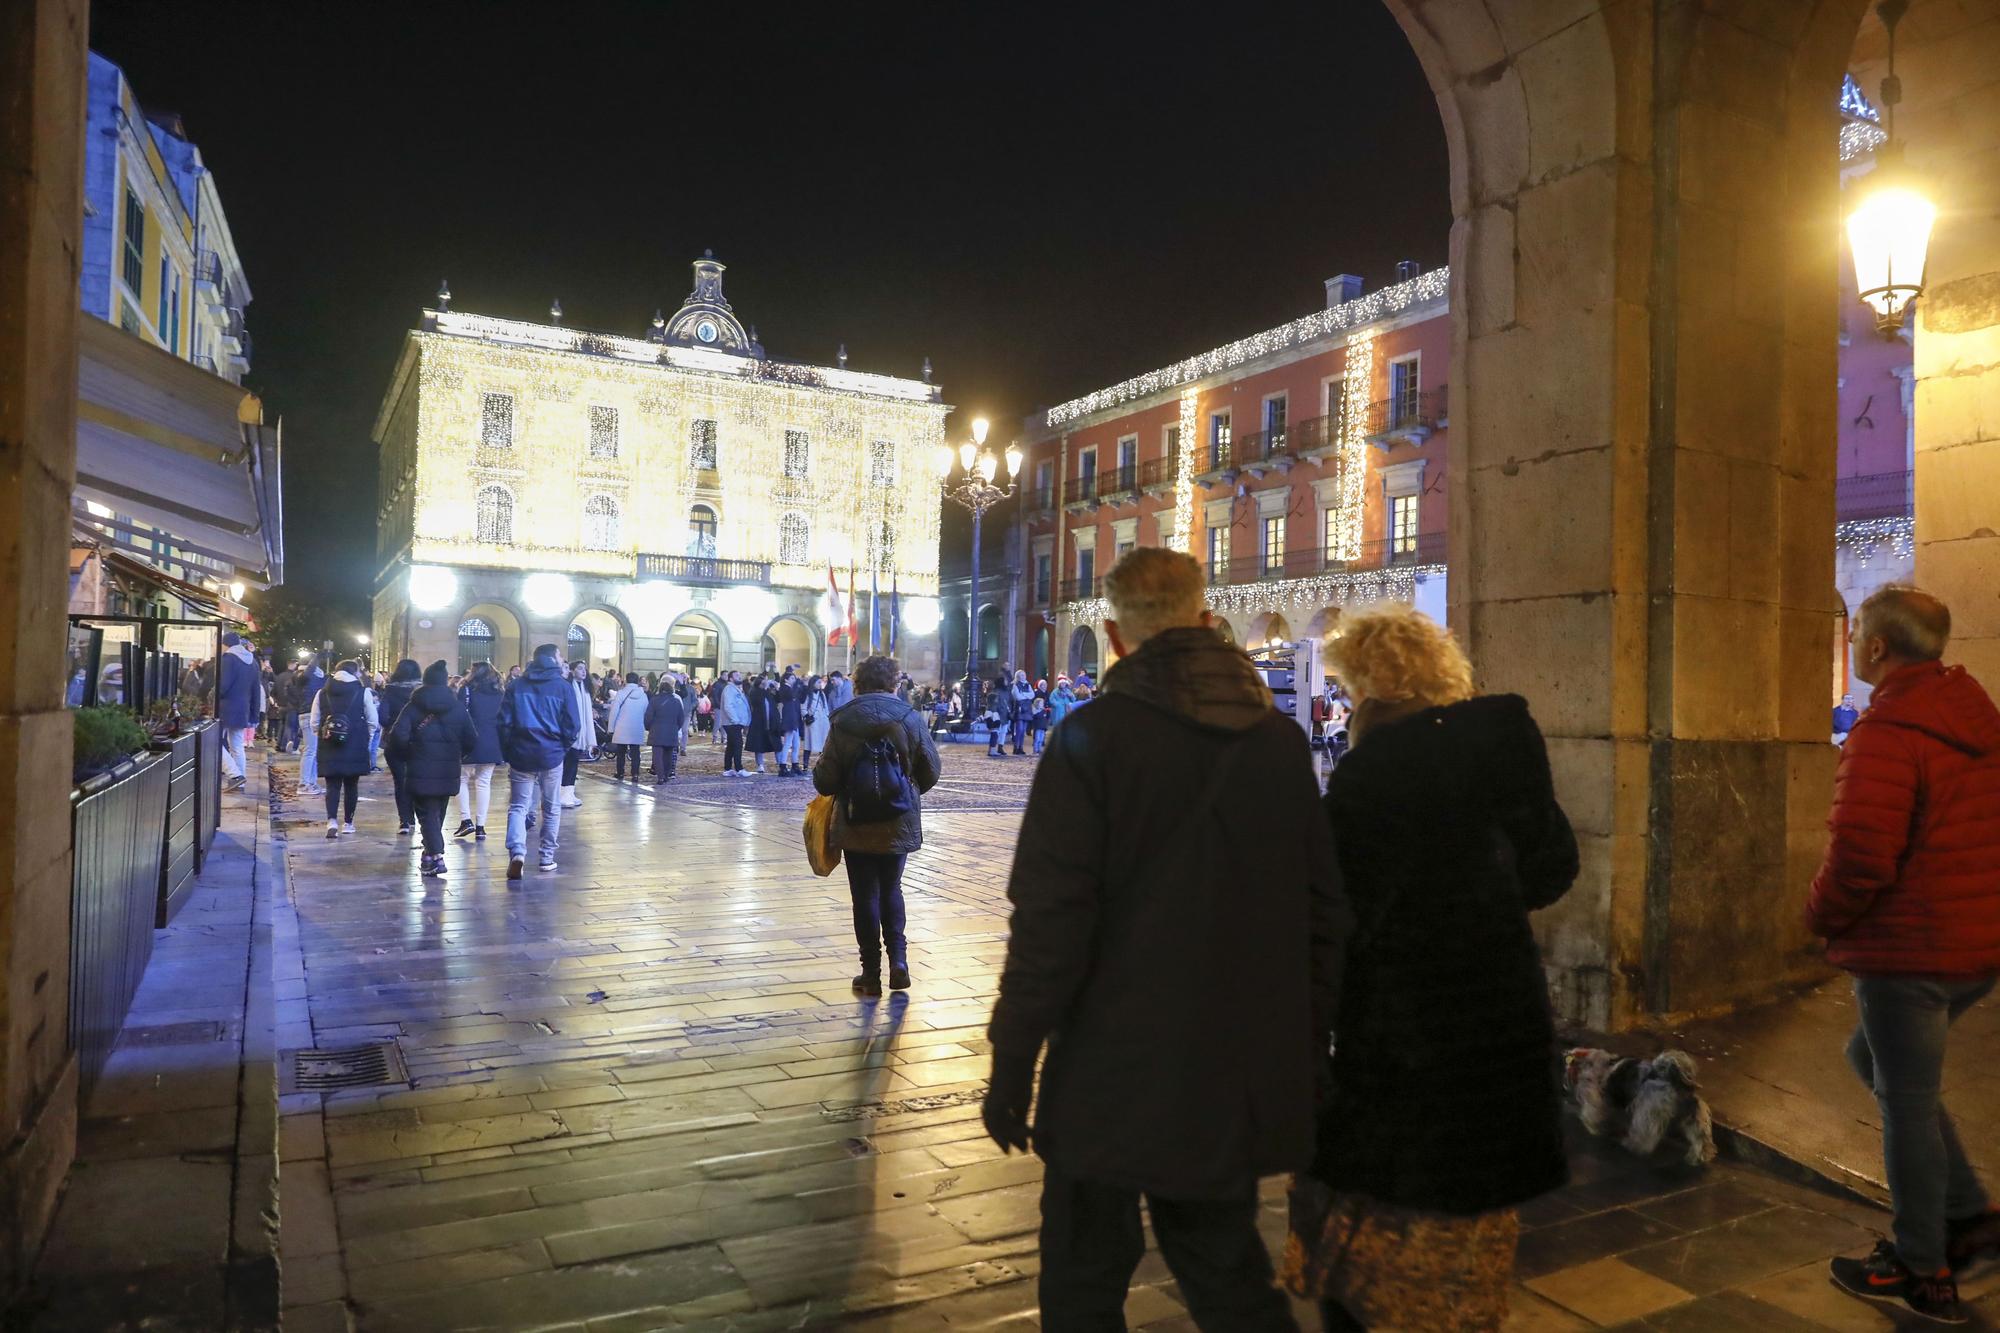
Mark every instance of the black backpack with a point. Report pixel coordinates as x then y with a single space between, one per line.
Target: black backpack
878 787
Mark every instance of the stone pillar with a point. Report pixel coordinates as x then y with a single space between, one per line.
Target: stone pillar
42 70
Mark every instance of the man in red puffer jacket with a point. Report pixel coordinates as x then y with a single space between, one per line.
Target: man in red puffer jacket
1909 902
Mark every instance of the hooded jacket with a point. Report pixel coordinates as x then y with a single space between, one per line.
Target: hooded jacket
482 698
854 725
396 694
432 737
1173 844
538 716
1448 832
1911 880
239 699
625 717
345 694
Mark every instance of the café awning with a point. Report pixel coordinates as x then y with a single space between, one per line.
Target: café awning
165 443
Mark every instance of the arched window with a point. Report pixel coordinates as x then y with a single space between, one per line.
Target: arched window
600 523
701 532
794 537
472 627
496 515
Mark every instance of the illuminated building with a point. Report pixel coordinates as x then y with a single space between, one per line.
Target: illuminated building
671 501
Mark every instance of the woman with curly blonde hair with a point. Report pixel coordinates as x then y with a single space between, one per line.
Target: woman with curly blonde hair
1446 1114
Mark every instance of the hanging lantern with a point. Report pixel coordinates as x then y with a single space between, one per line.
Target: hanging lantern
1889 229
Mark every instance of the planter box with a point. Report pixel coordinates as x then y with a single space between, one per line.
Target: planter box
116 846
208 789
178 838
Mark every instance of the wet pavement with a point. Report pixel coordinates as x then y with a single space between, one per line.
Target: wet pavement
642 1096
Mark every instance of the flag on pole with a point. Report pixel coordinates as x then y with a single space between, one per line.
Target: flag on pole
895 613
851 627
874 611
830 611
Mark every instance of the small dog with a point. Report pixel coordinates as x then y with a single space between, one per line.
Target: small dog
1641 1103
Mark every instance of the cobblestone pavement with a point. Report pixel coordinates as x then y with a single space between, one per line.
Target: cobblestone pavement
642 1096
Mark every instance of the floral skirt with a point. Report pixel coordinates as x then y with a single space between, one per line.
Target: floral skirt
1397 1267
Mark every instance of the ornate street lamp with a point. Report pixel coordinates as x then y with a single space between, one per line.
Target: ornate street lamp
1889 229
977 493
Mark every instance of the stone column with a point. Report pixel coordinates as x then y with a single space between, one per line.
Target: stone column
43 73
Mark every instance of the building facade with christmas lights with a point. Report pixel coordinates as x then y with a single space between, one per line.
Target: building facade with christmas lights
675 501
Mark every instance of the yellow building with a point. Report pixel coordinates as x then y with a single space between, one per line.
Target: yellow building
668 502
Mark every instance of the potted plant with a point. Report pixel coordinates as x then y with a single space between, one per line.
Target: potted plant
105 739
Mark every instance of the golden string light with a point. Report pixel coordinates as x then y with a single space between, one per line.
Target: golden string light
1184 471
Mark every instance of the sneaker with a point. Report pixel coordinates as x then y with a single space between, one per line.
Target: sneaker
464 827
899 978
479 833
515 866
405 830
332 830
1882 1277
869 985
1972 1243
548 863
348 827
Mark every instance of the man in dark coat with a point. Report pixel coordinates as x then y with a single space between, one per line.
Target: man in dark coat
1173 842
538 722
481 694
762 737
431 738
395 698
666 715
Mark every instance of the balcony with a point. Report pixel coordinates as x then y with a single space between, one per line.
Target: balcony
1071 590
1120 485
1266 451
208 277
1215 464
1037 501
1158 475
1080 493
704 570
1874 495
1406 418
1426 548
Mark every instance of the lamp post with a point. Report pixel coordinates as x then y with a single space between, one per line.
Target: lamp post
976 493
1889 229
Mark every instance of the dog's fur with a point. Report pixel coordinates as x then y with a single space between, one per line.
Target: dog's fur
1641 1103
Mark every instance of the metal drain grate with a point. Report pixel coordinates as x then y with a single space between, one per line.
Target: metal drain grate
349 1067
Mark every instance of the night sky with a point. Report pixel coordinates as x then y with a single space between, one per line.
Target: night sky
1041 200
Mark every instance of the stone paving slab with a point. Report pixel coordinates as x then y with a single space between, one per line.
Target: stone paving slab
643 1097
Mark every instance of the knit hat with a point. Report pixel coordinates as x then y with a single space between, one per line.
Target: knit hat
437 673
231 639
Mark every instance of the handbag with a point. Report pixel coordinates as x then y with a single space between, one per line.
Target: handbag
821 852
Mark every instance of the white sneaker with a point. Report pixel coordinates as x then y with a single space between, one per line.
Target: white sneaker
347 827
332 828
570 800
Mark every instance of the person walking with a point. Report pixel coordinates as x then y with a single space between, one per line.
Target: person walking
1020 709
290 691
539 724
791 724
1144 874
239 702
343 717
583 744
666 730
403 683
481 695
734 710
1908 899
878 762
273 728
762 697
1446 1114
625 715
309 738
815 720
433 737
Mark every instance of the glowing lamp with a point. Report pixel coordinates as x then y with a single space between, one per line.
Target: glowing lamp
1889 232
1013 460
944 459
304 653
922 615
979 429
361 639
968 454
235 592
547 594
432 587
988 465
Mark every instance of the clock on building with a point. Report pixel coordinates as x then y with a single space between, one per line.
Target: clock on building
706 330
705 319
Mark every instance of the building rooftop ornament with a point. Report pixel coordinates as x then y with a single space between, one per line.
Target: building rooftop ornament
843 356
927 370
658 332
555 311
705 319
444 295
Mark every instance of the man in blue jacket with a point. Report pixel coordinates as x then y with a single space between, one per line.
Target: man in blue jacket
239 702
538 720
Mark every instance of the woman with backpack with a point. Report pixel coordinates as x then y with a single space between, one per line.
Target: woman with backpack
878 762
343 717
481 694
395 698
429 741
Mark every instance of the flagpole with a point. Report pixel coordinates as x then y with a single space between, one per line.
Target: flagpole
849 629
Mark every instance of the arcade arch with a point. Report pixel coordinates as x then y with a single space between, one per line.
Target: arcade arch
489 631
599 636
697 645
789 641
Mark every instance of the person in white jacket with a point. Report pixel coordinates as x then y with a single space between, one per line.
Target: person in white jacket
626 718
586 733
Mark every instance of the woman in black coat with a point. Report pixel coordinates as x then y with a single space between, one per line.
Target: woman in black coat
481 694
403 683
762 738
666 717
1446 1113
430 739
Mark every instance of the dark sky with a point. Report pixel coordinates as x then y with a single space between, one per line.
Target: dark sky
1042 200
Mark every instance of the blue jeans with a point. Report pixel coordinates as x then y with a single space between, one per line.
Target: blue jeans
309 758
1898 1050
522 787
875 883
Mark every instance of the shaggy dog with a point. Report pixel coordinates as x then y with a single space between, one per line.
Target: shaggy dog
1641 1103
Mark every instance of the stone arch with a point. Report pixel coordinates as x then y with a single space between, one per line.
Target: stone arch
992 633
508 646
698 644
792 638
1083 651
1265 627
1324 622
607 628
1221 625
1041 662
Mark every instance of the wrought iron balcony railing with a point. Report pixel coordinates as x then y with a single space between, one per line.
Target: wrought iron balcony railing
1072 589
1874 495
1409 416
704 569
1426 548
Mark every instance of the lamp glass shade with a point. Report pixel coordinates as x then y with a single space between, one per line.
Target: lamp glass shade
943 459
1013 461
968 454
1889 232
979 429
988 465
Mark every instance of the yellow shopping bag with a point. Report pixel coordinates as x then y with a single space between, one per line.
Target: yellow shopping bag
820 851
